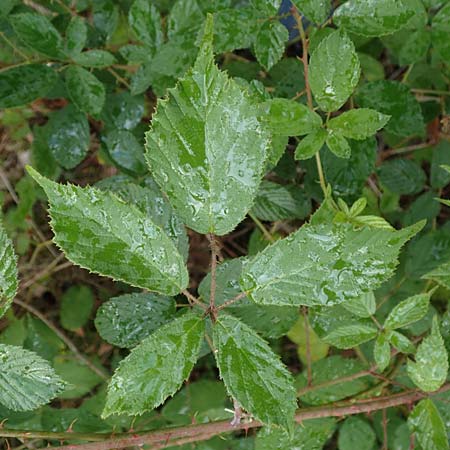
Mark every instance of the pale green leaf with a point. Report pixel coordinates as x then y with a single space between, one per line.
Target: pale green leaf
206 147
430 368
156 368
358 123
440 274
265 388
8 272
324 264
349 336
289 118
311 144
145 21
270 42
373 17
338 145
363 306
427 425
382 352
26 380
401 342
315 10
93 227
126 320
334 71
408 311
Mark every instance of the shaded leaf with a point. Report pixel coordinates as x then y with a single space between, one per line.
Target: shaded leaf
440 30
76 306
356 433
76 35
123 111
440 274
402 176
95 58
145 21
9 282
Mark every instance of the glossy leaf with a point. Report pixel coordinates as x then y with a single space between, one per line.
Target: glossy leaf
76 35
85 90
349 336
23 84
145 21
289 118
311 144
265 389
440 30
9 282
315 10
334 71
358 123
26 380
401 342
362 306
324 265
427 425
68 136
408 311
126 320
156 368
382 352
95 58
373 18
338 145
123 111
430 368
37 32
93 227
270 42
208 128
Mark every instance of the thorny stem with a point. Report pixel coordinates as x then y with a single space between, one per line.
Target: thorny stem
200 432
192 299
212 295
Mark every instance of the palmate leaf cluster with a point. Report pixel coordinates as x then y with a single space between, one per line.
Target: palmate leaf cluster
268 139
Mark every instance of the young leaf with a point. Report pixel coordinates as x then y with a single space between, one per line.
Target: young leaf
270 42
94 228
290 118
265 387
126 320
85 90
311 144
156 368
23 84
37 32
315 10
8 272
145 21
401 342
408 311
337 144
324 264
382 352
349 336
427 425
26 380
429 371
374 18
363 306
334 71
358 123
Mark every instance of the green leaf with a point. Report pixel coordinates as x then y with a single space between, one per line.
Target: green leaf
334 71
38 33
408 311
402 176
207 128
76 35
440 177
123 111
9 282
401 342
356 433
23 84
289 118
324 265
441 274
394 99
349 336
76 307
270 42
92 227
95 58
374 18
315 10
382 352
363 306
429 371
126 320
427 425
358 123
26 380
184 18
68 136
156 368
440 29
311 144
85 90
338 145
309 435
265 389
145 21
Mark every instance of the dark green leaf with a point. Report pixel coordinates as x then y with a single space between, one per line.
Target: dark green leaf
440 274
156 368
311 144
441 156
22 85
402 176
315 10
270 42
85 90
356 433
95 58
185 17
123 111
126 320
145 21
93 227
76 307
76 35
440 30
408 311
105 17
9 282
265 389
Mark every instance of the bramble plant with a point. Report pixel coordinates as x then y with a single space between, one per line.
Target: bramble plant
303 147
